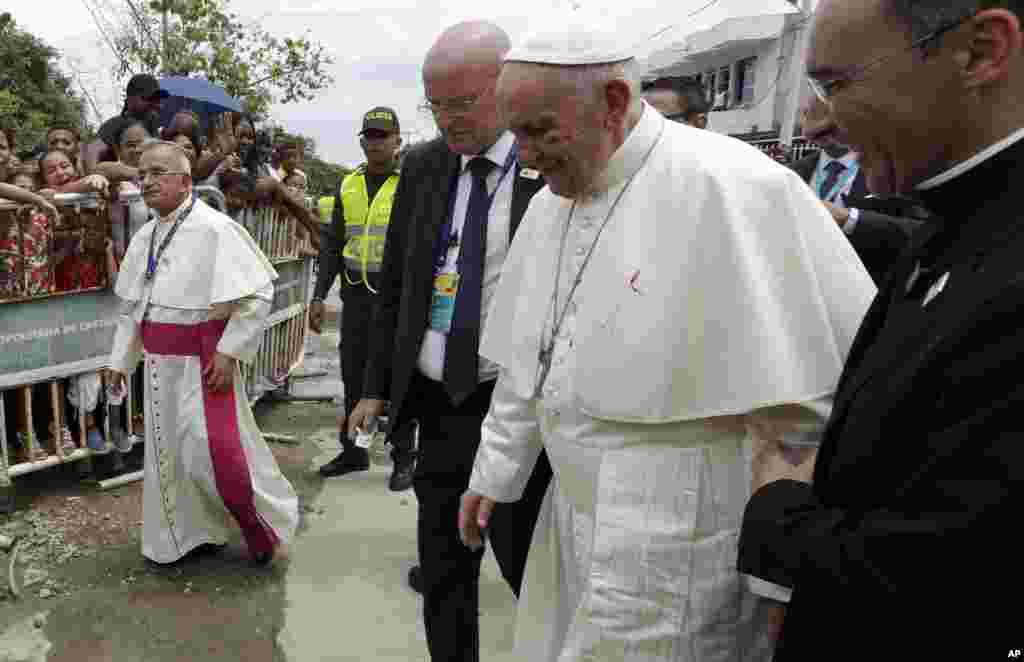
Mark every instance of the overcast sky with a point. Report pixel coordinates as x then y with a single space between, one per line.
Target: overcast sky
378 47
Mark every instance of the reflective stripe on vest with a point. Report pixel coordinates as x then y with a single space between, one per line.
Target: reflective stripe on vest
366 225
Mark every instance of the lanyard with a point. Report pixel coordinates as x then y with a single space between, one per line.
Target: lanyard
841 184
155 259
448 237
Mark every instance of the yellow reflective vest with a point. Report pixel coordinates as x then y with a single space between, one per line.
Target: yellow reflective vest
366 225
325 205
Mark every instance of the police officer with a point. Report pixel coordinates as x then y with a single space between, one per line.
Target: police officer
354 247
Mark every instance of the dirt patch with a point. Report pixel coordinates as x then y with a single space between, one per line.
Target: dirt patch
105 603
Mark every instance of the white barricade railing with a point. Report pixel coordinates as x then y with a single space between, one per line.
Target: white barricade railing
33 396
798 149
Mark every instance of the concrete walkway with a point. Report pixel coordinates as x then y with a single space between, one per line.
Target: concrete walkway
345 589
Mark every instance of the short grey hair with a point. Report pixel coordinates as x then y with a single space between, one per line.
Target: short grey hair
179 153
590 79
924 17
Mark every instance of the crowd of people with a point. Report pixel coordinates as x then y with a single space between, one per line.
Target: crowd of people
52 246
700 405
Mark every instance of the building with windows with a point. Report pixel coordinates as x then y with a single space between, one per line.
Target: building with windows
741 63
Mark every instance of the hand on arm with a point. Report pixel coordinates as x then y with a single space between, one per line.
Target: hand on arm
115 171
20 195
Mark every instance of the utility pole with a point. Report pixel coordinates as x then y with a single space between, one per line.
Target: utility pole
795 75
163 39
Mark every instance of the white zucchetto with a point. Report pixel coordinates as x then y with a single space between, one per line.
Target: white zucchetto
571 39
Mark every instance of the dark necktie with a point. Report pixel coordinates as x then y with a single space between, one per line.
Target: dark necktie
833 171
460 357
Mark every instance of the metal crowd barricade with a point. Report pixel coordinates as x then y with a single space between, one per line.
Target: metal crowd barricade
281 353
58 313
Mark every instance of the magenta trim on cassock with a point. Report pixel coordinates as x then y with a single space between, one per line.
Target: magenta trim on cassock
230 466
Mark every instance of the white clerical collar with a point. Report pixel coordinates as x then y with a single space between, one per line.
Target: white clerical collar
974 161
628 158
497 154
173 216
849 159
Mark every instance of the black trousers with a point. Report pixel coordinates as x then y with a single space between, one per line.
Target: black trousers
355 326
449 437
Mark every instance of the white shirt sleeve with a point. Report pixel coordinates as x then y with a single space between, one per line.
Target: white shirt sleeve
127 350
797 426
244 332
510 444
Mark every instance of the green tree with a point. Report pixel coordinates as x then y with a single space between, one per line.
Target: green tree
205 38
323 176
34 94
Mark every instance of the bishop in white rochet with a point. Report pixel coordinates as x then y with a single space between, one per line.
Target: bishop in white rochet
196 291
672 297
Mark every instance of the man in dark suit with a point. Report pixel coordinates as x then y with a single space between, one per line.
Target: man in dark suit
902 540
458 202
836 176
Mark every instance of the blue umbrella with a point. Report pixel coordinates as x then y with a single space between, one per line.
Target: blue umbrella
198 95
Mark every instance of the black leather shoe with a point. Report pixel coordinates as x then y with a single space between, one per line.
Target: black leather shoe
416 579
401 477
263 558
356 459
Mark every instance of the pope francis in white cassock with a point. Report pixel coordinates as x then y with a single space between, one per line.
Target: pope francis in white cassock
716 301
209 291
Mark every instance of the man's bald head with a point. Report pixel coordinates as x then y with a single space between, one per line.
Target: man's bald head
470 43
459 75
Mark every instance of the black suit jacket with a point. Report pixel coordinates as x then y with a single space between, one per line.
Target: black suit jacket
400 321
878 239
904 537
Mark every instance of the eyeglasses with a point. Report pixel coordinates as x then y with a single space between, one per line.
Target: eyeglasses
455 107
145 175
826 89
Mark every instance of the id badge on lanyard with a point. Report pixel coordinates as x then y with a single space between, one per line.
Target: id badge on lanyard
446 275
446 287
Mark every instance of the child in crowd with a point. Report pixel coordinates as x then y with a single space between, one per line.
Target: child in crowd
67 139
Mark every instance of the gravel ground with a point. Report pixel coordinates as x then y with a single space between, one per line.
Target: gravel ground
90 596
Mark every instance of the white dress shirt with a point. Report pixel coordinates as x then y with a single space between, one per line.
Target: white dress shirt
431 361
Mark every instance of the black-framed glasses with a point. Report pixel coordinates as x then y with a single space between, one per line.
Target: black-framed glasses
454 107
826 89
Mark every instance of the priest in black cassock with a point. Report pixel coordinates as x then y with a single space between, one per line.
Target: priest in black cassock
897 537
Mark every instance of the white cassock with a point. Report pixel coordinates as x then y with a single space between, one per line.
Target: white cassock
720 303
207 465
